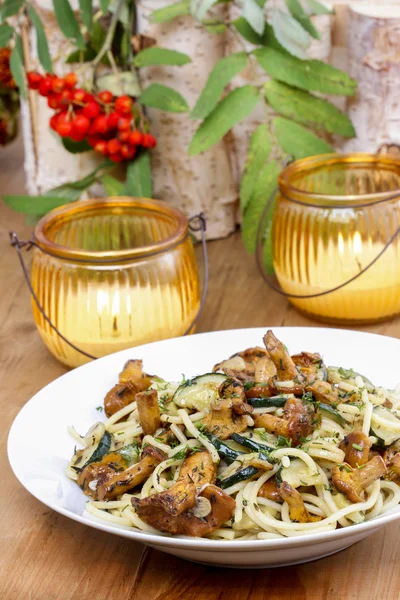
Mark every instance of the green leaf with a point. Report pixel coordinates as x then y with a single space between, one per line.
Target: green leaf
199 8
295 139
37 206
268 250
5 34
104 4
85 55
126 83
163 15
160 56
97 36
112 186
308 110
290 34
73 190
298 13
259 150
222 73
310 75
254 15
10 8
17 66
41 40
270 40
214 27
138 177
164 98
124 16
34 205
86 7
67 22
237 105
31 220
246 31
316 8
124 47
75 147
264 188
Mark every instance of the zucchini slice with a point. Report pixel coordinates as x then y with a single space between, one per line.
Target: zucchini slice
199 392
102 448
223 449
386 435
249 443
299 474
331 413
278 401
241 475
338 374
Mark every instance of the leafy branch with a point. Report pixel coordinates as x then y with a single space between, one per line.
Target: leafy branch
299 121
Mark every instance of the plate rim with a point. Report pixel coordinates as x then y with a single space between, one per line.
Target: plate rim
201 544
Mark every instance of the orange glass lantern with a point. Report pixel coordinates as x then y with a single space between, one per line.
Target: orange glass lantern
110 274
335 237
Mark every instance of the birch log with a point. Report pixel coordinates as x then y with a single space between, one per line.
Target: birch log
374 61
204 182
47 163
255 75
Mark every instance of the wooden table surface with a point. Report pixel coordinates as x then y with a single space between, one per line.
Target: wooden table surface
45 556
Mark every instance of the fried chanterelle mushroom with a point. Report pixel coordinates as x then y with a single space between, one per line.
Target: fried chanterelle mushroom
352 482
149 411
132 380
212 510
297 510
324 392
289 379
252 364
197 470
193 505
226 413
270 490
391 456
299 421
356 447
106 481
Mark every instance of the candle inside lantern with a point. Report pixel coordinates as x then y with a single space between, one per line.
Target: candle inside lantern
108 303
320 242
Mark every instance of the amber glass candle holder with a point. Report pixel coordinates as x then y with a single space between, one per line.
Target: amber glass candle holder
335 237
111 274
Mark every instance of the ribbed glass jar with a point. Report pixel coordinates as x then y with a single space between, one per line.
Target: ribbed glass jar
111 274
333 215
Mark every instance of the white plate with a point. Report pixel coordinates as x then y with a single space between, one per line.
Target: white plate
39 446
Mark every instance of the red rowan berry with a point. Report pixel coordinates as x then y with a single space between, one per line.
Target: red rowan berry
70 80
105 96
34 80
123 105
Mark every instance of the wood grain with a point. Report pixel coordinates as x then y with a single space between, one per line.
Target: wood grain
45 556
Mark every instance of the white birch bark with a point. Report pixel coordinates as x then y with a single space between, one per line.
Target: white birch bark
255 75
374 61
199 183
47 163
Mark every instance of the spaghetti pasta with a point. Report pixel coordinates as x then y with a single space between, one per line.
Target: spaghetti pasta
325 453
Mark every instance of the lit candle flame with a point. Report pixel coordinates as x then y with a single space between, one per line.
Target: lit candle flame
115 305
102 300
340 243
357 243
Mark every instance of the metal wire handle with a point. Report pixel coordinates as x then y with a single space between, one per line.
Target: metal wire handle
196 223
260 246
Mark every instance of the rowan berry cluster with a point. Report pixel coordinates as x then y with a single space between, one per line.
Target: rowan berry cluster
108 122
